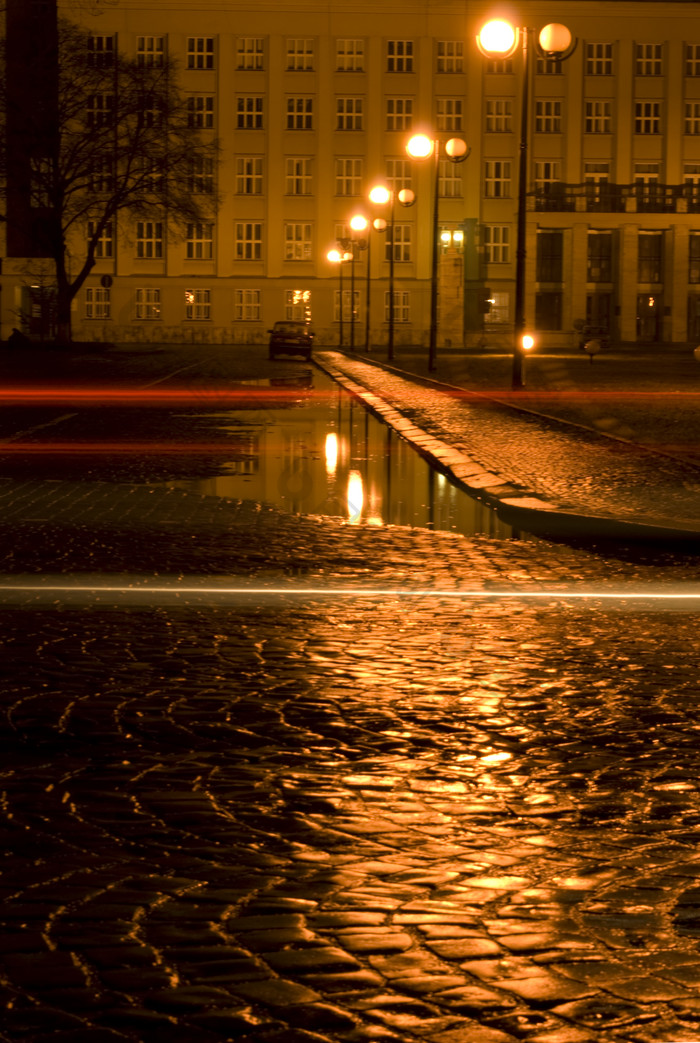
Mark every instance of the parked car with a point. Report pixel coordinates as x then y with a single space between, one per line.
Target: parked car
291 338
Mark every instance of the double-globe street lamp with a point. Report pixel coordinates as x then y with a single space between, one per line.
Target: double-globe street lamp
380 195
421 146
499 39
340 256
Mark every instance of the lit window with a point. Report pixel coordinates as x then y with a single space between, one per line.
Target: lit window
499 312
198 305
200 52
297 305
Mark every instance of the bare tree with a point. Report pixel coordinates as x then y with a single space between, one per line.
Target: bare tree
120 139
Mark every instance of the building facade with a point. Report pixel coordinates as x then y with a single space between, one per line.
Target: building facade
313 104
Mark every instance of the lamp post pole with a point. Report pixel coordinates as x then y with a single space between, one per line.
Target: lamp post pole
499 39
520 247
381 195
423 147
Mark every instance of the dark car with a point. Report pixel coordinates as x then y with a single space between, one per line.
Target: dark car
291 338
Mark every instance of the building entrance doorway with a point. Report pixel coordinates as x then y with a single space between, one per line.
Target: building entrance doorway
649 312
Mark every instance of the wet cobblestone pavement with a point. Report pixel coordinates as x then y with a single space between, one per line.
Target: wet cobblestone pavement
329 783
355 817
525 460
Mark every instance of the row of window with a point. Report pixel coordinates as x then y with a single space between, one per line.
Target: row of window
399 55
600 256
247 304
399 114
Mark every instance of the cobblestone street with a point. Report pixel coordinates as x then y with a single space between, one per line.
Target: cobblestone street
284 779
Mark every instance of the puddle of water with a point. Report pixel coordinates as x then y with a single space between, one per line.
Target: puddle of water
328 456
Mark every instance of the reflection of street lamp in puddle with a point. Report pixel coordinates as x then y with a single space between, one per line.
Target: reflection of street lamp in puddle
331 454
355 497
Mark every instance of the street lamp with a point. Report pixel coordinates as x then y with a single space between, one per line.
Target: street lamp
358 223
380 195
499 39
339 257
422 147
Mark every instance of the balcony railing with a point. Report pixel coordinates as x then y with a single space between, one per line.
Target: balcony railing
593 197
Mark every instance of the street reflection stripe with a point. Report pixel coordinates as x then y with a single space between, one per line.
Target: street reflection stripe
179 590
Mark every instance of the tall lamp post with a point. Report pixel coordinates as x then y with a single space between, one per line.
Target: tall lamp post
422 147
339 257
380 195
358 223
497 40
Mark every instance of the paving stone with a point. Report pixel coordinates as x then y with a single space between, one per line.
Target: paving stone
275 991
544 991
382 941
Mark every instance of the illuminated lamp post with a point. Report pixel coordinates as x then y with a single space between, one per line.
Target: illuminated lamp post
422 147
358 223
339 257
498 40
380 195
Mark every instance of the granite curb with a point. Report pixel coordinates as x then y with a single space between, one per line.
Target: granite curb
513 503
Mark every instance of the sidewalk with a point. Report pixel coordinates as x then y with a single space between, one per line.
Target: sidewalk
610 454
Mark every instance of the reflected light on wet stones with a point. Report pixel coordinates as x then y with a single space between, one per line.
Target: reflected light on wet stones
331 454
355 497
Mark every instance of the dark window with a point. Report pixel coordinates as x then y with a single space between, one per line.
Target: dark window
548 311
599 268
549 257
650 257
